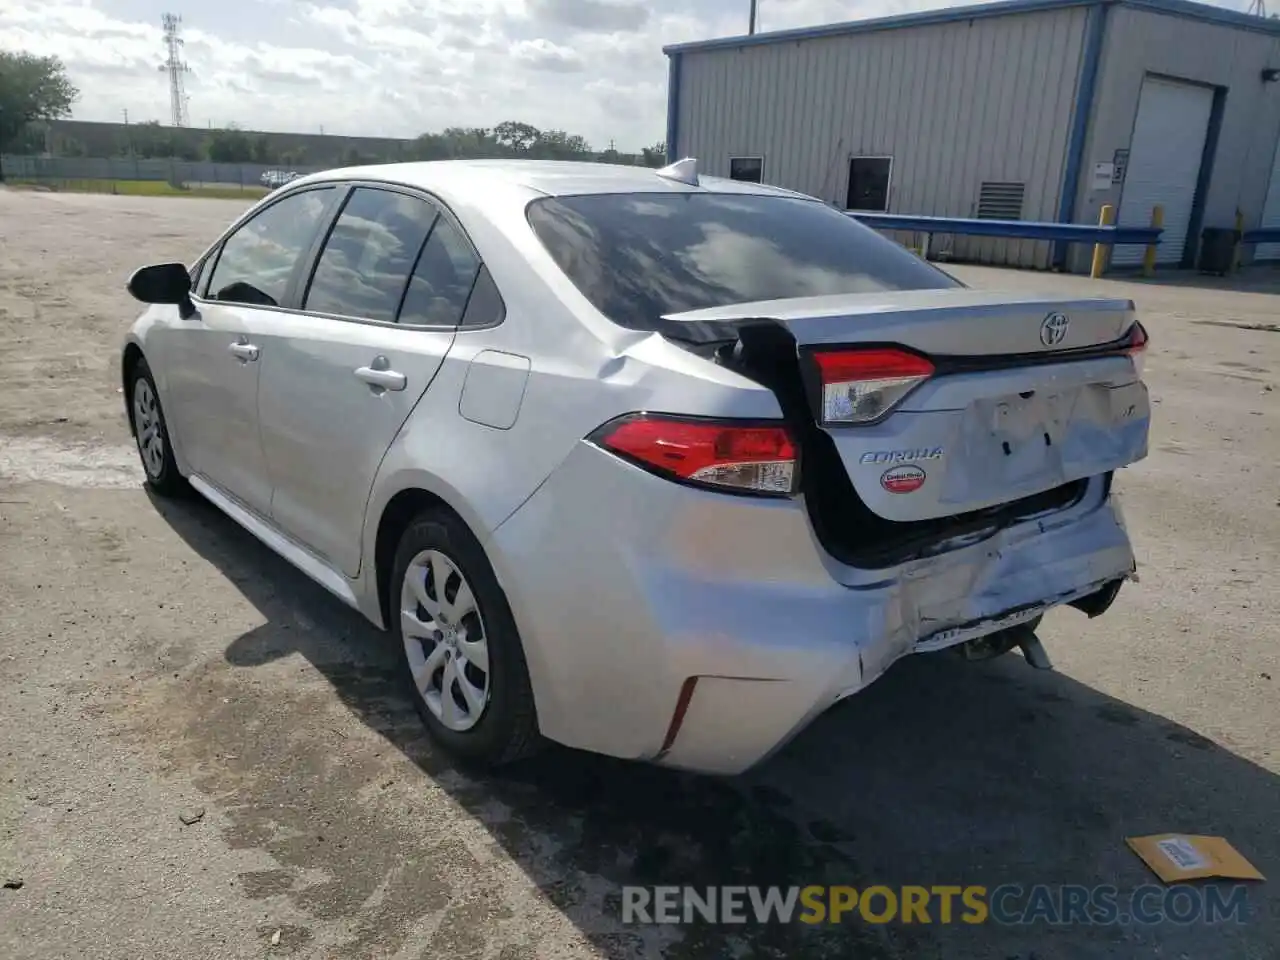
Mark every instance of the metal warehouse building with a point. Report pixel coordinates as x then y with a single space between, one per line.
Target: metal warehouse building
1027 109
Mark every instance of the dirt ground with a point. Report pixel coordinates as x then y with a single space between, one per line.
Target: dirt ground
157 664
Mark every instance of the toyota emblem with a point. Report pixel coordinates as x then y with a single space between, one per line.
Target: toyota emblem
1054 329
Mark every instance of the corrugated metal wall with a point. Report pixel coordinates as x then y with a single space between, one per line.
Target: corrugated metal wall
954 104
1140 42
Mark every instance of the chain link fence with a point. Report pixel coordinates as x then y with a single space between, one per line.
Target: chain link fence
145 176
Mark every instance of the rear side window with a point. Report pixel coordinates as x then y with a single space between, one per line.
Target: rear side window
485 308
367 259
257 261
442 280
640 256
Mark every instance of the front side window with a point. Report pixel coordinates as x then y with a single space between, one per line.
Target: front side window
257 261
638 257
198 274
369 255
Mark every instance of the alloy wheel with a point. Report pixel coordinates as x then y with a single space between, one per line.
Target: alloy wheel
445 640
147 427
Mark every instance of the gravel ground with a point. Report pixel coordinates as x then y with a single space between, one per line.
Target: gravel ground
158 666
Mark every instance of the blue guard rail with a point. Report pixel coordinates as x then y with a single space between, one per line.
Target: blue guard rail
1012 229
1262 235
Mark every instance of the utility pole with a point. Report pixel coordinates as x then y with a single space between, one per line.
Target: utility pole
751 24
125 111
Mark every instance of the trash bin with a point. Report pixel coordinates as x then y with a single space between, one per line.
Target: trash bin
1217 250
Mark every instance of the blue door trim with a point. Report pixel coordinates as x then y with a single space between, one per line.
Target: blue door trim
1095 38
1191 247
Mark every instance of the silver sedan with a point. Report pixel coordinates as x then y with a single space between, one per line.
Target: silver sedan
644 462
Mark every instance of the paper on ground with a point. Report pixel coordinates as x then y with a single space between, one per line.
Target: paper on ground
1179 856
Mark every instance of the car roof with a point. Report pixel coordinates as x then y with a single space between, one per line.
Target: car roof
555 178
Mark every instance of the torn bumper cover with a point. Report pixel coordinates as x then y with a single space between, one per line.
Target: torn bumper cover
702 631
994 586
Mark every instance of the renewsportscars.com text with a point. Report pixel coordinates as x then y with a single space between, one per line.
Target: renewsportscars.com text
1008 904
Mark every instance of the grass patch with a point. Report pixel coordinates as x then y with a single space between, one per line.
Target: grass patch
143 188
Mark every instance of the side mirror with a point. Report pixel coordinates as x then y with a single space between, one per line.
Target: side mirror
163 283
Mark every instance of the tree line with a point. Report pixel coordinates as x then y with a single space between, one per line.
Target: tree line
35 90
511 138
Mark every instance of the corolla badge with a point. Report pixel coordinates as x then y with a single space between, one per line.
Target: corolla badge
1053 329
901 456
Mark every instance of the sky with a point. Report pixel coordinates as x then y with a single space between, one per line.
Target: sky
398 68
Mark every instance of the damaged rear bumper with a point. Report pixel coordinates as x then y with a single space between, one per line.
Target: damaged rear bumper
704 631
1017 617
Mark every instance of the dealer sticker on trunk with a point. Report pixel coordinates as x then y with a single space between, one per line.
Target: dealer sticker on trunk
904 479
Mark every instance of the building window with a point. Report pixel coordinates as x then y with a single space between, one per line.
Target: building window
869 179
747 169
1000 201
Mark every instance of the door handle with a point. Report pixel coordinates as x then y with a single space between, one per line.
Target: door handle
379 376
245 352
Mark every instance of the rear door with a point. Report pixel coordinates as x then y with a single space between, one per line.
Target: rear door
942 402
390 286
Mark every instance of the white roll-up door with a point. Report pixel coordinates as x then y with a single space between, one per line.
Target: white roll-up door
1164 164
1271 212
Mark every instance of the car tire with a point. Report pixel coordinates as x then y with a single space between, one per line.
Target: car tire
151 434
439 632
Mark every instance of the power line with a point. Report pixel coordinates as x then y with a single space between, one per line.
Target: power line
176 68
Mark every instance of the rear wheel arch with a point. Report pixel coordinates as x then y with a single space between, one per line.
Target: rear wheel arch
505 726
399 512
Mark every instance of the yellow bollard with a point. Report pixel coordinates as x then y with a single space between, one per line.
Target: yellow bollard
1239 247
1149 258
1100 249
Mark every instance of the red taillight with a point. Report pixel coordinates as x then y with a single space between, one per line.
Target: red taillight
1137 346
861 386
746 458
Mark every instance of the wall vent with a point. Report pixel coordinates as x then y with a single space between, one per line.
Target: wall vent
1000 201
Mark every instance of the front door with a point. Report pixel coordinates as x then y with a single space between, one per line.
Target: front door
213 389
215 356
338 381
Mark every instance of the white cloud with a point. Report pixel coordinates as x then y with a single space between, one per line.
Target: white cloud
542 54
401 67
599 16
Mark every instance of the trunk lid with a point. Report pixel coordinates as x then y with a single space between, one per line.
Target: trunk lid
1027 392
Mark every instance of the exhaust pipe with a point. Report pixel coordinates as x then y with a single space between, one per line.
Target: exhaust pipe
1033 651
996 644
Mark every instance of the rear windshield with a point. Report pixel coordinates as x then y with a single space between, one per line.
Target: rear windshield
639 256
